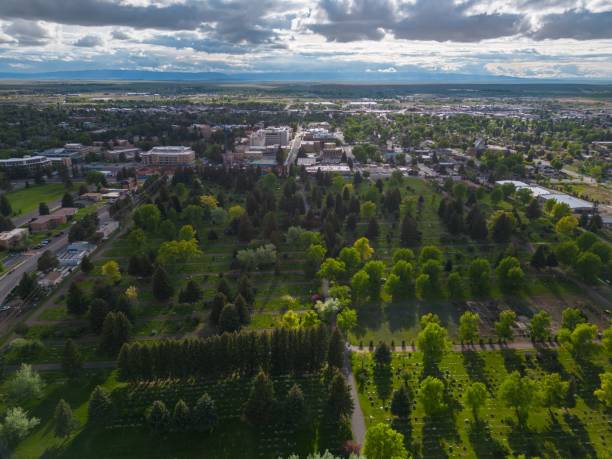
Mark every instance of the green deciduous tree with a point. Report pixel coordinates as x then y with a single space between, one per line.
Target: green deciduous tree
16 426
111 272
588 266
504 325
510 274
147 217
539 326
431 395
604 393
520 393
480 276
469 323
433 342
475 397
553 391
25 384
382 442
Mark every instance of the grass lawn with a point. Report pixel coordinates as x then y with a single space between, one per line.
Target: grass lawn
583 430
27 199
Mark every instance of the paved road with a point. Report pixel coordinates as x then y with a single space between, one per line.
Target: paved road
295 149
518 345
358 426
27 261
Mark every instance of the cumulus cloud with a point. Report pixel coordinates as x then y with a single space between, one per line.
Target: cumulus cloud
88 41
120 35
27 33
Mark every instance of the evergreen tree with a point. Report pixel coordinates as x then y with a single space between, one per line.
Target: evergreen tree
295 406
476 224
86 265
204 414
339 400
372 231
218 302
243 309
67 200
260 404
181 417
245 228
223 287
64 422
538 259
97 313
5 206
229 320
382 355
409 234
533 211
401 402
191 293
115 332
100 407
27 285
72 361
43 209
158 417
162 287
335 354
76 301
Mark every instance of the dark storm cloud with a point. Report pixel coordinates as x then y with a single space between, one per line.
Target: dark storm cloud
27 33
579 25
446 20
120 35
355 20
233 21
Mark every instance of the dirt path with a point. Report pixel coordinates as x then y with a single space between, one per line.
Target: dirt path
357 419
516 345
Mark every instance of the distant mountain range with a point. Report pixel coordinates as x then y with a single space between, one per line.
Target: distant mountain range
416 77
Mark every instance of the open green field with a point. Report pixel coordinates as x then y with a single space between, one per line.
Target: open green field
27 199
583 429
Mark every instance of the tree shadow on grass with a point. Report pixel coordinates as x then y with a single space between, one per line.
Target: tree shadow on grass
588 374
404 427
567 444
523 440
436 429
482 441
581 439
513 361
400 316
369 316
475 366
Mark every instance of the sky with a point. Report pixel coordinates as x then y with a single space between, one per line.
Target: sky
544 39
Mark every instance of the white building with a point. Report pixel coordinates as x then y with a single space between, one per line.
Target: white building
169 156
31 163
14 238
271 136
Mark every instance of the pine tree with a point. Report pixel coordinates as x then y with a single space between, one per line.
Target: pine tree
259 406
204 414
162 287
533 211
76 301
245 228
97 313
43 208
63 420
477 224
158 417
243 309
218 302
86 264
5 206
100 407
181 417
409 234
72 361
245 288
335 354
223 287
372 231
382 355
538 259
191 293
115 332
295 407
339 400
67 200
229 320
401 402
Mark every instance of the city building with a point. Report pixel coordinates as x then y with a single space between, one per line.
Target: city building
271 136
74 253
59 217
169 156
14 239
31 164
74 151
122 154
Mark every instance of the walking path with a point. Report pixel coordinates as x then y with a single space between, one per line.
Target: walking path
357 418
517 345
